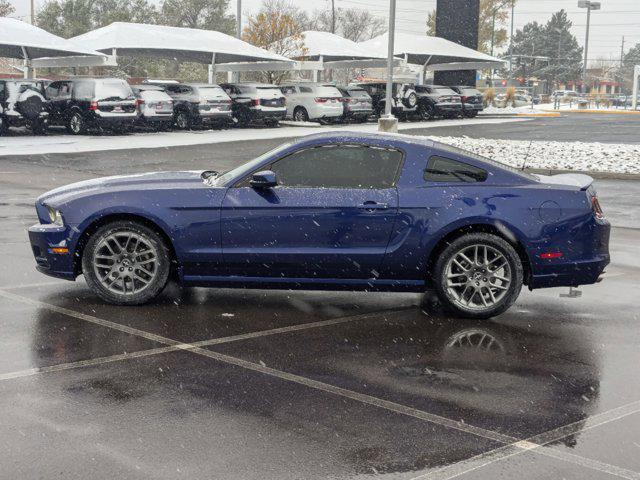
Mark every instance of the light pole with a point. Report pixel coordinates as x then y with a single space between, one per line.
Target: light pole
389 123
589 5
236 75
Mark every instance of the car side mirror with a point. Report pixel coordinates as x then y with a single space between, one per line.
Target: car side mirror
264 179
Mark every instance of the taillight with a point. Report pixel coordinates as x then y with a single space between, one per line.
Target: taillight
321 100
255 102
597 209
93 106
139 101
464 99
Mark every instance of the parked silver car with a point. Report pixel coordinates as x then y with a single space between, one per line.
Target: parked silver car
155 107
313 101
196 104
256 102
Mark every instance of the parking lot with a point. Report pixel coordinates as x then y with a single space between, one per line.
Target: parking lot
259 384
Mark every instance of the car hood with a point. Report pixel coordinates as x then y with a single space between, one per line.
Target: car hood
137 182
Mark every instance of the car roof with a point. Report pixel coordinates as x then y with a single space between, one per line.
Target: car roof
388 139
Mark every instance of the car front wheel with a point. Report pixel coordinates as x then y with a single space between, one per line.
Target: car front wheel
183 121
76 124
478 275
300 115
126 263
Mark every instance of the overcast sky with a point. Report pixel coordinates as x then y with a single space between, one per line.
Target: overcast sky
617 17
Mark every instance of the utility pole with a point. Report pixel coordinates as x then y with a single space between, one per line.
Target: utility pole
333 16
388 123
589 5
513 6
33 12
622 53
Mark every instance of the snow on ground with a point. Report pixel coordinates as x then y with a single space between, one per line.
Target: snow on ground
579 156
491 110
60 143
574 106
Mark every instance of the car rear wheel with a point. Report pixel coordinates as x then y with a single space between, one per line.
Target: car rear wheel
478 276
76 124
300 114
126 263
183 120
426 112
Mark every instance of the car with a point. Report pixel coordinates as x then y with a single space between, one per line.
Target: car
337 211
80 104
405 99
155 107
357 103
22 104
472 100
565 95
197 104
313 101
438 101
256 103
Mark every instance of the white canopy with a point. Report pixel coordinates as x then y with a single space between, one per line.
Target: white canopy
23 40
160 41
433 51
331 47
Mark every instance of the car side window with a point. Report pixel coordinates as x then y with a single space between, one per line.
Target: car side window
306 90
339 166
51 92
83 90
442 169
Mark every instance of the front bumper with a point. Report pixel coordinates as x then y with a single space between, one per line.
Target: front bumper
449 107
44 238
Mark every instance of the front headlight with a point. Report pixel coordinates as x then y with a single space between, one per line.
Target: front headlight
55 216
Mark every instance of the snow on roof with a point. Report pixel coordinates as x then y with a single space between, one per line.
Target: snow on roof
333 47
38 43
422 49
161 41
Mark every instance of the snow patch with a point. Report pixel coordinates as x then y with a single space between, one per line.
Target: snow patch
577 156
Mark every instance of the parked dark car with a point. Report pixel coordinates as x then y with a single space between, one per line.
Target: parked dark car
405 99
256 103
22 104
472 100
197 104
83 103
340 211
155 107
438 101
357 104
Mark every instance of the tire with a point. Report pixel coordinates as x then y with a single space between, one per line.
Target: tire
425 112
470 286
4 127
410 99
183 120
38 127
115 274
30 107
300 114
76 124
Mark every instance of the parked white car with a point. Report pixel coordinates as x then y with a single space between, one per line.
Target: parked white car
155 106
313 101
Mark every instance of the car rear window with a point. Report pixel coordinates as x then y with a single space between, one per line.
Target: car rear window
113 90
443 90
328 91
358 92
269 91
154 95
211 92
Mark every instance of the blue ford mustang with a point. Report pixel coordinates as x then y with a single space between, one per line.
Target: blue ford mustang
344 211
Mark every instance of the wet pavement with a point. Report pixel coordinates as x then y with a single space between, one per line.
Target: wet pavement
236 384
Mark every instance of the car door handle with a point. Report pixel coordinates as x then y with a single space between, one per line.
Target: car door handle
371 206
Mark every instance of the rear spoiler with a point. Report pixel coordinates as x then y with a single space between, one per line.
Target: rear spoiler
572 179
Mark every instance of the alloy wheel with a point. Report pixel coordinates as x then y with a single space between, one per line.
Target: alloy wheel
478 277
125 262
76 123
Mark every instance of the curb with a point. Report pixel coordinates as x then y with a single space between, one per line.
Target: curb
601 112
519 115
594 175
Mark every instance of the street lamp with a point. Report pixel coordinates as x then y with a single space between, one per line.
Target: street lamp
589 5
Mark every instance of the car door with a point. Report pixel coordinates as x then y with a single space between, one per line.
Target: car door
330 216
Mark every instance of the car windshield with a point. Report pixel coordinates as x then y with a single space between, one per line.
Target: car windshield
242 170
113 90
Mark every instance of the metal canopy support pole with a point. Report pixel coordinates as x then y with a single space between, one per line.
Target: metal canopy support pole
212 68
424 70
316 73
389 123
636 77
25 63
236 75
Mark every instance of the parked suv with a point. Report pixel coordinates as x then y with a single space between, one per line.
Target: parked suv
155 107
22 104
256 102
404 97
197 104
82 103
357 104
472 100
438 101
313 101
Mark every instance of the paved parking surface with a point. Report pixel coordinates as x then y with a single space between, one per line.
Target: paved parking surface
238 384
